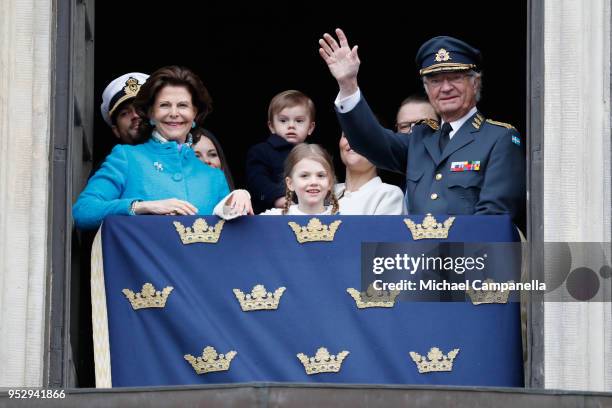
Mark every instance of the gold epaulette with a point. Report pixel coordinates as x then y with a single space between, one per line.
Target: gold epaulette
429 122
502 124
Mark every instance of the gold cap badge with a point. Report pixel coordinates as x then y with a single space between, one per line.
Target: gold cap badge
131 87
442 55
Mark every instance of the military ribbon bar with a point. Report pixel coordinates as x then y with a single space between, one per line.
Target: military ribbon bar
465 166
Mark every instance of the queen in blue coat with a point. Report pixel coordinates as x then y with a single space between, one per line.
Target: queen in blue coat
163 175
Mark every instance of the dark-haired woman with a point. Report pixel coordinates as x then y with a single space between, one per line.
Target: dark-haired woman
208 149
163 175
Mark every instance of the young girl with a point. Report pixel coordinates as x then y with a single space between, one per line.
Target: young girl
309 180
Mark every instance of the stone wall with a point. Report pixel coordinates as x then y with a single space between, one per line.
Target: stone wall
25 68
577 208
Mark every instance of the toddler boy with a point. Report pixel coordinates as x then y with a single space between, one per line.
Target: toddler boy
291 116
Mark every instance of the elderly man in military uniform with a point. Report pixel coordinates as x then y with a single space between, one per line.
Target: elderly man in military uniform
466 165
117 109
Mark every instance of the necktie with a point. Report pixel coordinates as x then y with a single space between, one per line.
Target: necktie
445 136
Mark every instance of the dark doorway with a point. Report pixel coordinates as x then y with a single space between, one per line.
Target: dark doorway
246 53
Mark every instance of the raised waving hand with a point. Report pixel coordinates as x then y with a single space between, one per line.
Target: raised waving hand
342 61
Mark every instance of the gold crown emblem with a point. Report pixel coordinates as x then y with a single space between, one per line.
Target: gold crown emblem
436 361
488 296
430 228
199 232
259 299
373 298
210 361
322 362
442 55
148 297
315 231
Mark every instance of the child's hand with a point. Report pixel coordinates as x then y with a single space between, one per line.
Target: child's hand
280 202
240 202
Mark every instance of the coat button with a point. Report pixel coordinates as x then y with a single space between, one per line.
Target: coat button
177 177
434 196
439 176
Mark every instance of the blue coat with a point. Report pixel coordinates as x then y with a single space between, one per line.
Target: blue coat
487 161
264 170
149 171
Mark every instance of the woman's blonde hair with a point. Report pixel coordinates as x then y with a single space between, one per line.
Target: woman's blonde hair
320 155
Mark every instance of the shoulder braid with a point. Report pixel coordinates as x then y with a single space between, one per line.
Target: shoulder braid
502 124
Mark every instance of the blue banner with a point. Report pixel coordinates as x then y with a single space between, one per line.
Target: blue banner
148 346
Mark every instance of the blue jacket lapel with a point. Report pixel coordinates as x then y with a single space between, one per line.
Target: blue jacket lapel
463 136
432 146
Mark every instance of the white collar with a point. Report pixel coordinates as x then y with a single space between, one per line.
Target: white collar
295 210
371 184
160 139
456 124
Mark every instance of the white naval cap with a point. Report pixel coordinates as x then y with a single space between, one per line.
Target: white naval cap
120 90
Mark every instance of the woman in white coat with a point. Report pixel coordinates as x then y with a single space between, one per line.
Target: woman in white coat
363 192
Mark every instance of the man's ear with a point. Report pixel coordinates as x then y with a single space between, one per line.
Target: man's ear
116 132
477 84
311 128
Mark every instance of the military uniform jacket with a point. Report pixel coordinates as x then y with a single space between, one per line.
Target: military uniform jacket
481 171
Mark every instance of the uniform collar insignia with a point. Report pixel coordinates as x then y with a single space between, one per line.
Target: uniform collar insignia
477 120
